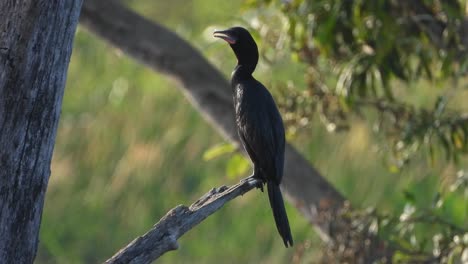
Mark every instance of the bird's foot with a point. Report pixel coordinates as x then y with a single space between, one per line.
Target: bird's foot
258 183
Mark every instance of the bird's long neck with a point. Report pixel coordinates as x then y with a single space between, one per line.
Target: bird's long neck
242 72
247 58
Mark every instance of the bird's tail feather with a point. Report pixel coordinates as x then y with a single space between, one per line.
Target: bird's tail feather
279 212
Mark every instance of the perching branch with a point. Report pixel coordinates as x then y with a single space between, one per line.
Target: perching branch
178 221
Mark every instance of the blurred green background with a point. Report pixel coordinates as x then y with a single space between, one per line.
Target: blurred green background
130 147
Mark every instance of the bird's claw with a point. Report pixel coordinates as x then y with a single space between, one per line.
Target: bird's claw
254 181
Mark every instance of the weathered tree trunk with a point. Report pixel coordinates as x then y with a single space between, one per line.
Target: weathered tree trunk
35 45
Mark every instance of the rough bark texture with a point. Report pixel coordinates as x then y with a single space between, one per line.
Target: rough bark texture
210 93
163 236
36 40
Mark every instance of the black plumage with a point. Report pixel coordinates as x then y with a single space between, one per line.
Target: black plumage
259 123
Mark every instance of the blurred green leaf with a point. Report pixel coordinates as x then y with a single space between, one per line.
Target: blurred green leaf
218 150
237 166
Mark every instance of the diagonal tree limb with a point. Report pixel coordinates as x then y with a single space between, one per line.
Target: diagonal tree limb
210 93
163 236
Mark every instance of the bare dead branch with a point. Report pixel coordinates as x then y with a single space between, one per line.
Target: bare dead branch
178 221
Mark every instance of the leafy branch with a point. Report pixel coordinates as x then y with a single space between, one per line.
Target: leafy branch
417 234
371 49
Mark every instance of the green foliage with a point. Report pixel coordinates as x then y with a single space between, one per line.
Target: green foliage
430 229
237 165
373 41
426 230
218 150
362 58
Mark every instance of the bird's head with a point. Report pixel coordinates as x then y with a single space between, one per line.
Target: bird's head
242 43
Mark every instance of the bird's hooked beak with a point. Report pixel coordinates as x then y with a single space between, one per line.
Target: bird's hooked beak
226 35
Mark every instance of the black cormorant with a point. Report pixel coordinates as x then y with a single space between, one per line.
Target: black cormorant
259 123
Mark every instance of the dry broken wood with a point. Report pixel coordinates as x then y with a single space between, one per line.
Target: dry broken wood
163 236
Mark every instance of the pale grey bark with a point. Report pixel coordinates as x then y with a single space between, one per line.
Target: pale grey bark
36 41
210 93
163 236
